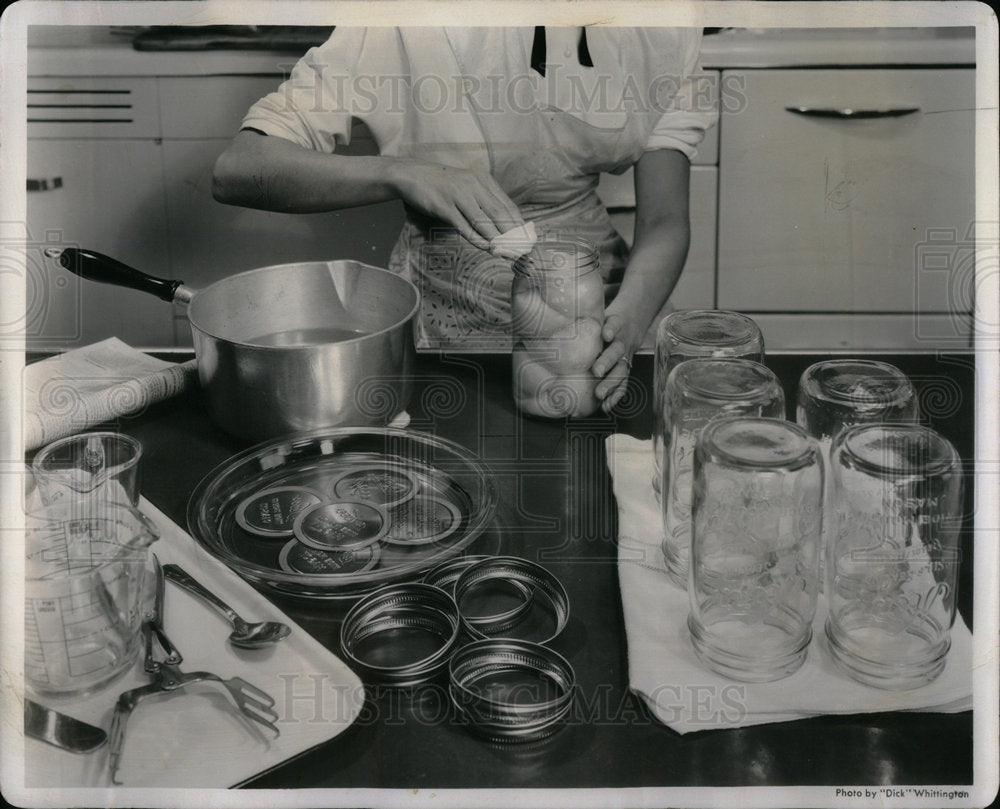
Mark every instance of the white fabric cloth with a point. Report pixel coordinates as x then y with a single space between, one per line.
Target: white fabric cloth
514 243
685 695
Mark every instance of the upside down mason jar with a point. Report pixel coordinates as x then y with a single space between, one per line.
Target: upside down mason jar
692 334
892 565
757 506
836 394
698 391
557 312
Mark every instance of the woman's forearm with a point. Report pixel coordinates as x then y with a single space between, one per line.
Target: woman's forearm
274 174
653 270
662 236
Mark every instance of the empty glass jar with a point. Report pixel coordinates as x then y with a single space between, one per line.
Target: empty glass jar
836 394
696 392
689 334
557 312
892 565
757 511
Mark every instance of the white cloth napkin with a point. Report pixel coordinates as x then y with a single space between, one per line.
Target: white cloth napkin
73 391
515 242
687 696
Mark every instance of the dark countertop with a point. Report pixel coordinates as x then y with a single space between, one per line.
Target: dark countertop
559 510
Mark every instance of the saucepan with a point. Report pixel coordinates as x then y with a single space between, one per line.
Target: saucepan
290 347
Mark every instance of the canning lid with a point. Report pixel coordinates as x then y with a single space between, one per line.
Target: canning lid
298 558
401 634
383 485
344 525
511 690
530 575
501 619
272 512
423 519
314 459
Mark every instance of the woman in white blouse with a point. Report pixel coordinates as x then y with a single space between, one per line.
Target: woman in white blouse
480 130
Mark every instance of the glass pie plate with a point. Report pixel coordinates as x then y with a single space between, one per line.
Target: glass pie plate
273 512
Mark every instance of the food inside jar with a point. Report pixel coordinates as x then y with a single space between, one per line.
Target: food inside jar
552 373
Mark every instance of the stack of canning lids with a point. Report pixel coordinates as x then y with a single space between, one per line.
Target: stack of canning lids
344 529
505 683
337 513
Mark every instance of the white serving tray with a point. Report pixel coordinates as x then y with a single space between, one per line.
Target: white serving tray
191 738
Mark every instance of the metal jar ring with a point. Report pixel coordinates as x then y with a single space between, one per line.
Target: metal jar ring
447 573
513 569
394 606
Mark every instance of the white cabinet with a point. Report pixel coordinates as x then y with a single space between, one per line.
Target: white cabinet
94 170
103 195
835 186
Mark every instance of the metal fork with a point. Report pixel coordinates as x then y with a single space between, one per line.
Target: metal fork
254 705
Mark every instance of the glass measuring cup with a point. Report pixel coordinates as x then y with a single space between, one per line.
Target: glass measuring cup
85 573
100 465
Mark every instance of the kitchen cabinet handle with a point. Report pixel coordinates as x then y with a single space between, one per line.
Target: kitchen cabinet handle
96 266
45 184
849 114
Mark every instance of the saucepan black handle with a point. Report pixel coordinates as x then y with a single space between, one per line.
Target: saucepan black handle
96 266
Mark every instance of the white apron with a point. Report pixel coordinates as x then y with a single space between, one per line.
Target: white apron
548 161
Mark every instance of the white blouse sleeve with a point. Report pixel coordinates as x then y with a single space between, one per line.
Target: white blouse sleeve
692 109
315 105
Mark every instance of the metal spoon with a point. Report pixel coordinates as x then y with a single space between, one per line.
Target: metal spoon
245 634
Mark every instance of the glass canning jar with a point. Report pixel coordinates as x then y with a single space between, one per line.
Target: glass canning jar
698 391
557 312
893 559
690 334
757 510
836 394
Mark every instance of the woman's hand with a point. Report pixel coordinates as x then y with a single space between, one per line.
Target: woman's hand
274 174
614 364
470 201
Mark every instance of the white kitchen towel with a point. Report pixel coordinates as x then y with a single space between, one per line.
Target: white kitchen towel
684 694
515 242
73 391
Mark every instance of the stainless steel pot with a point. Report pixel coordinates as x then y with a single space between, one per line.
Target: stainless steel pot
291 347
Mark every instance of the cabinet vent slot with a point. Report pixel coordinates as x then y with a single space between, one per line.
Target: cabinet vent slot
59 106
